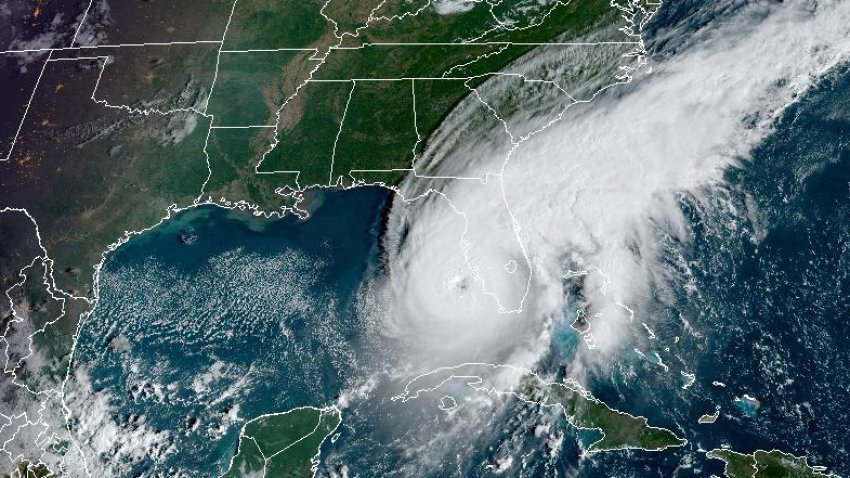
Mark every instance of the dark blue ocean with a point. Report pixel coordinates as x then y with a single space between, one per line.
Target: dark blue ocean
756 307
767 306
217 316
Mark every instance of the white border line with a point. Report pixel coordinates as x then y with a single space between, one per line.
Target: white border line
117 45
27 109
82 22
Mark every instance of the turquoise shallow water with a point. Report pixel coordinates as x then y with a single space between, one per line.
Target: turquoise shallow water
216 317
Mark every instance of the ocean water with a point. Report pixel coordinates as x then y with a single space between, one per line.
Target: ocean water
761 314
754 308
216 317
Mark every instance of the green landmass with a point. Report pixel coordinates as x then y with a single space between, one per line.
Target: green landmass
46 325
252 86
269 25
765 464
620 430
379 112
88 173
617 430
282 445
363 140
85 174
533 22
307 135
25 469
232 177
738 465
382 61
109 170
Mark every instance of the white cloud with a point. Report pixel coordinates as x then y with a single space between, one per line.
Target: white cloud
589 191
108 447
450 7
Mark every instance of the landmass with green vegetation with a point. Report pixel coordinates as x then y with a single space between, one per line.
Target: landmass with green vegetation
387 80
26 469
766 464
301 94
244 104
283 445
618 430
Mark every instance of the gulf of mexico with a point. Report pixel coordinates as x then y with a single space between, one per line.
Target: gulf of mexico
215 317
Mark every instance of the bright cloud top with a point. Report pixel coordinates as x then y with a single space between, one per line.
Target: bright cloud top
586 192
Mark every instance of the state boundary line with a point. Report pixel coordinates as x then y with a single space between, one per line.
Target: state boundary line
82 22
270 50
491 43
360 47
117 45
27 109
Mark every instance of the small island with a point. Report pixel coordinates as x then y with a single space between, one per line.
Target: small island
766 464
709 418
283 444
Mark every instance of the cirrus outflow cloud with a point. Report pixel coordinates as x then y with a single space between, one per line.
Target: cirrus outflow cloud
475 268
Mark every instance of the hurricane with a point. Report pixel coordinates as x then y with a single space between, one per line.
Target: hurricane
477 267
